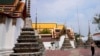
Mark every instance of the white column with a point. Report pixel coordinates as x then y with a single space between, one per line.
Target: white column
2 31
19 26
2 26
12 32
9 35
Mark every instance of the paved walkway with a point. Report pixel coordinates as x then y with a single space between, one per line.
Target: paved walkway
68 52
72 52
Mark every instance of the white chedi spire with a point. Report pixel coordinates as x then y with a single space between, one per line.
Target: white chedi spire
28 23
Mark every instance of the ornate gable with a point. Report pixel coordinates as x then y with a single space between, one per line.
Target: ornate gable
11 8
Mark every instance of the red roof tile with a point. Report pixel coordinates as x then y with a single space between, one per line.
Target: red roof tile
96 34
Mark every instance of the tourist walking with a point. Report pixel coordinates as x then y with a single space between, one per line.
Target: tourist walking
92 48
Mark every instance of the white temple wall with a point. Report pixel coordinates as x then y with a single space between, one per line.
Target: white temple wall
8 44
61 41
12 32
47 45
2 26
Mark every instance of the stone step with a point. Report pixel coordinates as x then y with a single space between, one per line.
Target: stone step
27 44
31 39
26 50
66 47
27 54
66 39
27 29
66 44
28 33
25 41
28 36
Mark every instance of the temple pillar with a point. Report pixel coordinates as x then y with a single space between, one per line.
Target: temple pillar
19 26
10 33
2 31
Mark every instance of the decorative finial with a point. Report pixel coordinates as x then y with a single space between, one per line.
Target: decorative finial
89 28
36 20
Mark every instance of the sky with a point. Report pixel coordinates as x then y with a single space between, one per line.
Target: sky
67 12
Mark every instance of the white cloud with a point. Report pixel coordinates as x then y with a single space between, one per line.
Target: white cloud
61 7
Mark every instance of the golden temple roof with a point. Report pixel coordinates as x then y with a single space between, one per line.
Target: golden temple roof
47 25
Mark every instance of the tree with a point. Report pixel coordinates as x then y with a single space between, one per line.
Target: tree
97 20
77 36
45 31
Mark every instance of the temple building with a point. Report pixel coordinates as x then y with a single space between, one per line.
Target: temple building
50 26
55 29
96 38
12 15
90 39
56 38
69 40
14 26
48 37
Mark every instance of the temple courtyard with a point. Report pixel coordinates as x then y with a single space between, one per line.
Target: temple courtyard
72 52
68 52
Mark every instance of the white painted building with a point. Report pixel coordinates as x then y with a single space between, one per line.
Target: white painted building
9 32
10 22
47 44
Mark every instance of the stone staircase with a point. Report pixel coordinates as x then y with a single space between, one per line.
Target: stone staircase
28 44
66 44
88 42
79 43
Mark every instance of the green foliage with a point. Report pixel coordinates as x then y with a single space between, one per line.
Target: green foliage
77 36
97 20
45 31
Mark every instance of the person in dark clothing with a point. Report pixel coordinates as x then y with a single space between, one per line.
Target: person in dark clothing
93 48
